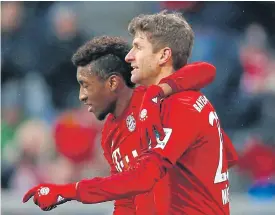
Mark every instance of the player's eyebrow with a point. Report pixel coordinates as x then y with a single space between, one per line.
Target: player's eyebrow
136 43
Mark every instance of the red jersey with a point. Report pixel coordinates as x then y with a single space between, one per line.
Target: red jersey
185 173
194 162
121 145
199 157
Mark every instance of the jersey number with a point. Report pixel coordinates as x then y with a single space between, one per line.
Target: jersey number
219 177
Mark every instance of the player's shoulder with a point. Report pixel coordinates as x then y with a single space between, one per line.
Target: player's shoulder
185 98
137 96
190 101
139 91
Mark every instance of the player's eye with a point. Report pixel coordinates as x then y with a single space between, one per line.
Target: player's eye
84 86
136 46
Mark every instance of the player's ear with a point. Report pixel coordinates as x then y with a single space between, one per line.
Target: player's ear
113 82
165 55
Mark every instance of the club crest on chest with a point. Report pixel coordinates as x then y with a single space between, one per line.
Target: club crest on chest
131 123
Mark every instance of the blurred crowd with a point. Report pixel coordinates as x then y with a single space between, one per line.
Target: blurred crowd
47 136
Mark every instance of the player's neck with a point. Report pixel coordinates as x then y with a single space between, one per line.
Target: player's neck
123 101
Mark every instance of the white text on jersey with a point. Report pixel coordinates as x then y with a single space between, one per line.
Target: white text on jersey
200 103
120 162
225 196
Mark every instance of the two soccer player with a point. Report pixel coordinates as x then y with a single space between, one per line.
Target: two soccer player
186 172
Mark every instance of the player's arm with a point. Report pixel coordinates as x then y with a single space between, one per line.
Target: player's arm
142 176
231 153
193 76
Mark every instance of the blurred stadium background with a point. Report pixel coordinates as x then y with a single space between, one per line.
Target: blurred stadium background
47 136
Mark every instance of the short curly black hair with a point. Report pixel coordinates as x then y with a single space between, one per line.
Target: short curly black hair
106 55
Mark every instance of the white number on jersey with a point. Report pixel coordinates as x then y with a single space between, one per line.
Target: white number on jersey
219 177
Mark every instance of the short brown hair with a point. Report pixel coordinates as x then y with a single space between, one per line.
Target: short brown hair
166 29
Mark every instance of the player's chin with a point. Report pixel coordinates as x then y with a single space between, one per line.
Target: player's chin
135 79
101 116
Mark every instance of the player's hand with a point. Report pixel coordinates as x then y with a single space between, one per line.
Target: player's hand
48 196
149 115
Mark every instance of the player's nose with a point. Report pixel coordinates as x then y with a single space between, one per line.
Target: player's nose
82 97
130 56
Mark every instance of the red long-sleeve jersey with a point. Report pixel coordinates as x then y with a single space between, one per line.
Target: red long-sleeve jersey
186 173
123 138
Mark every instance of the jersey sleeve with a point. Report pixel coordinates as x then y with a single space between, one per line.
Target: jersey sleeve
121 206
192 76
140 178
181 126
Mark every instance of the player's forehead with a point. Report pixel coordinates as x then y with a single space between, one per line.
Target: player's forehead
81 71
140 38
84 74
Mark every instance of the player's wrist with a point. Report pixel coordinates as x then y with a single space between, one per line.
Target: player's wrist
167 90
69 191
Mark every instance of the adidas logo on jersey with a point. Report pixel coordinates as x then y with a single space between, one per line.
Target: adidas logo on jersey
155 100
